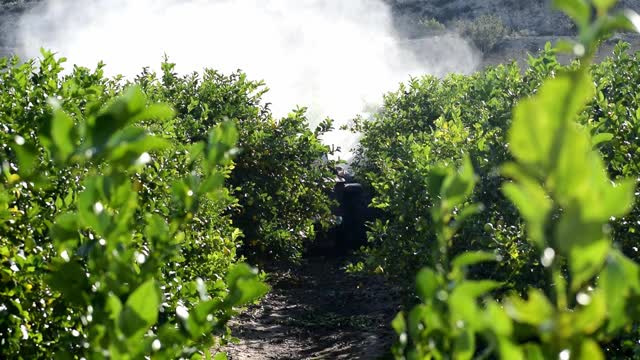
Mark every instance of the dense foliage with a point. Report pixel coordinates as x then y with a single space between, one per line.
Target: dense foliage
279 177
108 197
564 286
430 122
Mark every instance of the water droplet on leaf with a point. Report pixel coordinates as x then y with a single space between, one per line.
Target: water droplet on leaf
182 312
140 258
583 299
98 208
156 345
547 257
144 159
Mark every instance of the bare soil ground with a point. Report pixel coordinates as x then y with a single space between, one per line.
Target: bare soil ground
317 311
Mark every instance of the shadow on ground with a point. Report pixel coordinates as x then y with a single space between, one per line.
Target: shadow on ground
317 311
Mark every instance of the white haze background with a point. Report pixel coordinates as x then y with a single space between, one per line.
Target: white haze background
335 56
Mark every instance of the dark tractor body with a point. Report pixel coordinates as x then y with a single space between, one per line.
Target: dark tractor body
352 213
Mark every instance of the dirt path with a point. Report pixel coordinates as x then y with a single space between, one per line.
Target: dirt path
317 311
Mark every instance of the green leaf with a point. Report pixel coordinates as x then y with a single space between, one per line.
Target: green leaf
591 317
251 290
457 187
464 345
157 232
586 260
62 134
565 46
578 10
427 283
467 212
536 311
134 99
600 139
608 25
244 286
220 356
615 199
214 182
463 302
416 321
27 156
198 323
553 109
619 276
161 112
509 350
603 6
70 280
533 352
222 139
437 176
91 207
531 200
64 232
472 258
590 350
130 147
203 309
399 324
498 320
116 116
113 308
141 310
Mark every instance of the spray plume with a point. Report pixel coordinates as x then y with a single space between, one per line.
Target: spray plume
337 57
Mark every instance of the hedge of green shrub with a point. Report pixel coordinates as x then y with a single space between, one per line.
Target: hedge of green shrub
120 197
529 250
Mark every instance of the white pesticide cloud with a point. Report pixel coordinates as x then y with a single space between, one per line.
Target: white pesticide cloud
337 57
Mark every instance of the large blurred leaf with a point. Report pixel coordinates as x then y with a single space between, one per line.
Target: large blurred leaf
427 283
586 260
619 277
590 318
464 345
531 200
70 279
91 207
244 285
27 156
140 310
131 145
536 134
463 302
459 185
590 350
472 258
604 5
536 311
578 10
62 134
118 114
64 232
